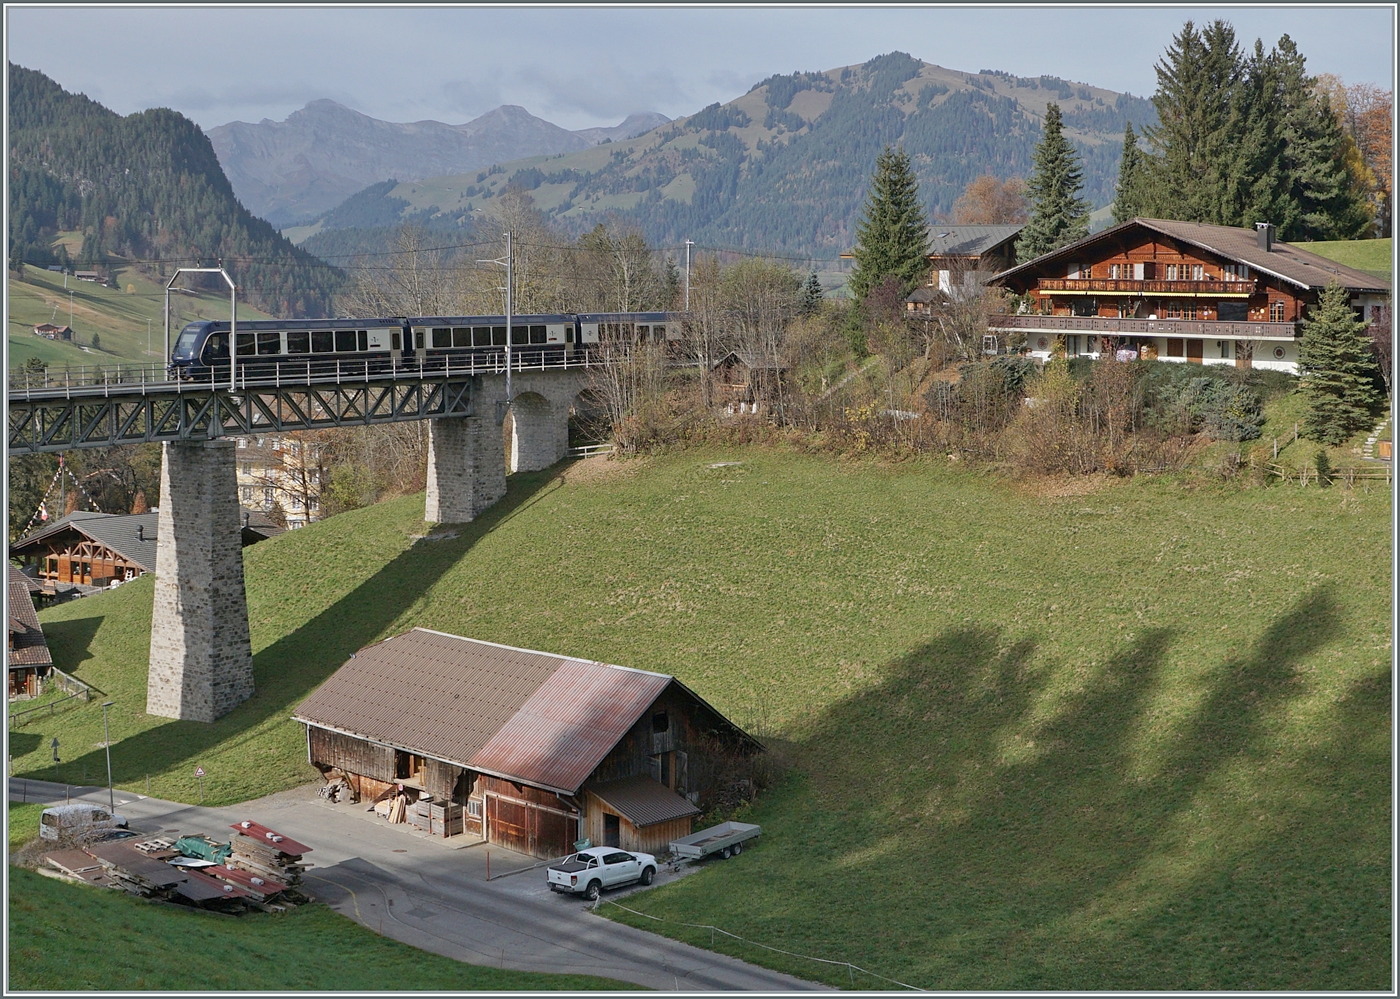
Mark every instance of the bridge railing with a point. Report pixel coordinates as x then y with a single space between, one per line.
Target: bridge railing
275 372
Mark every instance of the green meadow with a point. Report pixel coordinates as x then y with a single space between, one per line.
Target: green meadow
1109 734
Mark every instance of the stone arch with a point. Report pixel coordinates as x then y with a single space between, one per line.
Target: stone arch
588 417
539 432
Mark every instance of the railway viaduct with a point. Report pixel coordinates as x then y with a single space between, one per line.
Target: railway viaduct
201 664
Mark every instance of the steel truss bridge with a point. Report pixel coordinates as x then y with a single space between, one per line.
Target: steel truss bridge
57 410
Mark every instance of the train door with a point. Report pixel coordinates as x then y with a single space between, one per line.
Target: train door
420 336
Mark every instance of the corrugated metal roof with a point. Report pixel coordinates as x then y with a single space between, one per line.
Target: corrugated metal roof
435 694
1287 261
968 240
30 647
132 536
563 731
643 801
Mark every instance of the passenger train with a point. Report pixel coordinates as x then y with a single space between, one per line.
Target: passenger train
269 345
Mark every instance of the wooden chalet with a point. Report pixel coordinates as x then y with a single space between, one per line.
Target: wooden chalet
28 652
90 549
538 750
1177 291
963 258
51 332
745 380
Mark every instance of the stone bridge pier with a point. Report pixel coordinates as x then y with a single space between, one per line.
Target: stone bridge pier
466 455
201 664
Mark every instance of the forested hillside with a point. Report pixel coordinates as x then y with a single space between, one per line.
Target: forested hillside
142 186
784 167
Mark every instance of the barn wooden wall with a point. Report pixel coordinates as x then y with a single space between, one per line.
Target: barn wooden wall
354 756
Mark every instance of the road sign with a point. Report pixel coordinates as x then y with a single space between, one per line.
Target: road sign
199 771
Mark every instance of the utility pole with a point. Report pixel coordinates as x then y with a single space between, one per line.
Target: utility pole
70 309
508 264
107 745
148 338
688 244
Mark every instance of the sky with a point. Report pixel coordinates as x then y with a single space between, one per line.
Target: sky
583 67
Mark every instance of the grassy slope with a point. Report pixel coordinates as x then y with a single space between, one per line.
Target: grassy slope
1364 254
120 317
76 938
1135 738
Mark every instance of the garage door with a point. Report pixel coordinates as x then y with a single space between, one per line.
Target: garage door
529 828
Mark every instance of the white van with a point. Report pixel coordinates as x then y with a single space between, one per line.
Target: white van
77 821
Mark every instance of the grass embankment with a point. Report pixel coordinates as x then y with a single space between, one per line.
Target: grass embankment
1370 255
75 938
1112 735
119 316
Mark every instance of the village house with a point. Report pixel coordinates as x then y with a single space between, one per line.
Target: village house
533 750
283 474
29 659
745 381
90 549
51 332
1177 291
963 258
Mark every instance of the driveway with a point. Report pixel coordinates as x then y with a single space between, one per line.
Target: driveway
433 893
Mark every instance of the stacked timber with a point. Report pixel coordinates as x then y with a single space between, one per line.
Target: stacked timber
136 871
267 854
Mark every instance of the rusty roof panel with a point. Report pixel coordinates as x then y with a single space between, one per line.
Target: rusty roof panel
438 695
563 731
643 801
259 833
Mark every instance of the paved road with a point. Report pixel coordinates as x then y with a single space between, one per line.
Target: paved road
433 893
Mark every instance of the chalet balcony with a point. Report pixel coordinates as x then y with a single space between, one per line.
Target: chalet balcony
1128 286
1193 328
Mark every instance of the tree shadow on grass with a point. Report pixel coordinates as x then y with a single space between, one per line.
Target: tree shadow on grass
1021 832
286 671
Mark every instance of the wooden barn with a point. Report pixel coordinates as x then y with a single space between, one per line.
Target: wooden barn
538 750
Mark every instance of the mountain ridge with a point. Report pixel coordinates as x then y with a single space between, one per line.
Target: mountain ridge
293 170
783 168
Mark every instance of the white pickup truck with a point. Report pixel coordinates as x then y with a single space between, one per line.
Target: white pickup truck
589 871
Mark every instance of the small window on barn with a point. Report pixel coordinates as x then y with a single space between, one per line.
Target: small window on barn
474 808
660 722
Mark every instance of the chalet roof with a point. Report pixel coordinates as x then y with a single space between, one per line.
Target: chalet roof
533 717
643 801
926 295
257 526
749 359
1287 262
30 583
131 535
30 647
970 240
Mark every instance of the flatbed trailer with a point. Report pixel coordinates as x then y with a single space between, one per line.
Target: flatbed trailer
726 839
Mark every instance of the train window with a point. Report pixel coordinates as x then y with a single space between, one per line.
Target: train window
245 344
418 338
643 332
216 348
461 336
537 334
568 334
269 343
299 343
659 332
344 341
322 342
442 336
520 334
481 336
498 336
395 339
364 339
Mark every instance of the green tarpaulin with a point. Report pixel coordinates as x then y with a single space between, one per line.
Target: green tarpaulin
204 848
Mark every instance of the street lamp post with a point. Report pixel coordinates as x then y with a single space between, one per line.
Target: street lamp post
107 745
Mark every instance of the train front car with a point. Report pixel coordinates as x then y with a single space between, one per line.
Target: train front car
621 329
269 348
534 339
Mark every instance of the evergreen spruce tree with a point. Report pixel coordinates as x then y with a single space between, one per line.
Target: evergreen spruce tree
811 301
1313 159
1058 215
892 238
1130 199
1338 369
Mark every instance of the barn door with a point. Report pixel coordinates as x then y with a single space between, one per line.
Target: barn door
1195 351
